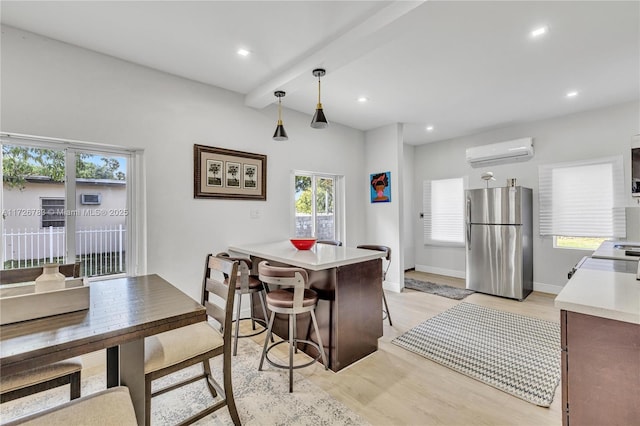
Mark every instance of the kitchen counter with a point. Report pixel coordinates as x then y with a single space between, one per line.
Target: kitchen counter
612 295
348 282
600 342
322 256
607 250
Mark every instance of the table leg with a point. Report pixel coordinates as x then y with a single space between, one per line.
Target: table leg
113 366
132 375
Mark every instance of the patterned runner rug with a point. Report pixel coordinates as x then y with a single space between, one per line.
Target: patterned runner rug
516 354
439 289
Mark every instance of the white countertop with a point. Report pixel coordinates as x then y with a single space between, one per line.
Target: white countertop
321 256
607 250
613 295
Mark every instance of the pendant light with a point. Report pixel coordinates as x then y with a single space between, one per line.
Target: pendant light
319 121
280 134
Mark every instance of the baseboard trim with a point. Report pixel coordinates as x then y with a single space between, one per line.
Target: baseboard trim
440 271
539 287
395 287
547 288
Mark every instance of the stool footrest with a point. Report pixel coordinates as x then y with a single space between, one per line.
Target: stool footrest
262 322
287 366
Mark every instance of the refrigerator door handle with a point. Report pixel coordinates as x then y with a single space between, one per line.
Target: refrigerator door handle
468 223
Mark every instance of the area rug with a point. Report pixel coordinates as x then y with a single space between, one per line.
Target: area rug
516 354
262 397
438 289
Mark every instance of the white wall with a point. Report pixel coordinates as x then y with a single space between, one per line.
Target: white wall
409 206
384 220
57 90
592 134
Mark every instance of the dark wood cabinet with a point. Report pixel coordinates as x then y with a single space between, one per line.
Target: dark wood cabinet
600 370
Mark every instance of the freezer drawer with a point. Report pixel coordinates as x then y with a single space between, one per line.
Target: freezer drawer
495 261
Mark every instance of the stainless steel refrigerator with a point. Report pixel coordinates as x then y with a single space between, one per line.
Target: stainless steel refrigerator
499 241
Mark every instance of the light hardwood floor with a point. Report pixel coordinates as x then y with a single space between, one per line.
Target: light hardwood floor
396 387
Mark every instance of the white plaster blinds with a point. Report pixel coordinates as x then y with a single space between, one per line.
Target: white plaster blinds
582 199
443 210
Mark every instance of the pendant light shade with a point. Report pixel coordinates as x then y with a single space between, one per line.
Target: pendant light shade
280 134
319 121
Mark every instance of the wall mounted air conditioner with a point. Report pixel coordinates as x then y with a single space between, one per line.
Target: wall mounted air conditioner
95 199
498 153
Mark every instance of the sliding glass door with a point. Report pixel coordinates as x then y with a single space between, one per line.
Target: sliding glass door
65 204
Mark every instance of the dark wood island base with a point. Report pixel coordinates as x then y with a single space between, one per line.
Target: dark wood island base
349 311
600 370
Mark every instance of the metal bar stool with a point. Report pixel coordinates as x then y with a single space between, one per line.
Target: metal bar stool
291 303
385 312
246 284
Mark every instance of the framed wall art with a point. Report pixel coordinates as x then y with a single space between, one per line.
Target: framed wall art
225 173
380 187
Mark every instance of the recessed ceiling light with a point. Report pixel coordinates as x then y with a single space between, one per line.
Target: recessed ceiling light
429 128
363 99
243 52
572 94
539 32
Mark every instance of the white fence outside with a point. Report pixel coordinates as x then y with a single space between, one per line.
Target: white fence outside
100 250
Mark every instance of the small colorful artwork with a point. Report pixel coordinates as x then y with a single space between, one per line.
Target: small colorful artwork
381 187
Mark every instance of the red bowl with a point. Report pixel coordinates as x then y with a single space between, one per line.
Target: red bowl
303 243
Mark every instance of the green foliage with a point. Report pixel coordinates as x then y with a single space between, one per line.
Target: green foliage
303 203
19 163
303 194
303 183
580 243
324 195
15 165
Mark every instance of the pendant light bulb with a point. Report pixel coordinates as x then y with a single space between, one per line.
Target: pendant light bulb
319 121
280 134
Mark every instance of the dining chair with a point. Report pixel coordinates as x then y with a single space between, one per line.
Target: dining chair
387 250
330 242
112 406
174 350
293 299
247 284
44 377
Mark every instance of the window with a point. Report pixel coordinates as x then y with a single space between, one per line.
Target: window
52 212
69 201
315 206
580 243
582 200
443 210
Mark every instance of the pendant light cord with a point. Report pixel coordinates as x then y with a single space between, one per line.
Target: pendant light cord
319 103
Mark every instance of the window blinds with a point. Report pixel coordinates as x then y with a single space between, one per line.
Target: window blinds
443 209
582 199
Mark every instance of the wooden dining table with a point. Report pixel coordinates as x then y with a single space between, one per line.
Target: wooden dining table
122 312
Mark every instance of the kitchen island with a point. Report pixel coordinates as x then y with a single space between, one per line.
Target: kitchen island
349 285
600 339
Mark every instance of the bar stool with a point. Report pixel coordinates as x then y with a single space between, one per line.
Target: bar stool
385 312
246 284
291 303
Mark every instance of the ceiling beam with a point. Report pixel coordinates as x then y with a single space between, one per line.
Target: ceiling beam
334 54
